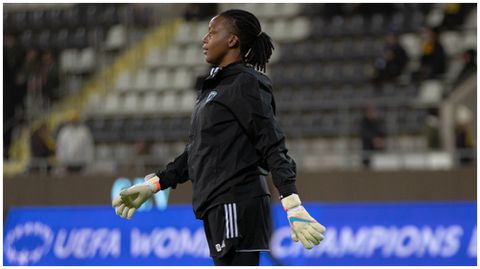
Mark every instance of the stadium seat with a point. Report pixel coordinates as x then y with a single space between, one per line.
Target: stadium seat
184 33
142 80
154 58
397 23
109 15
335 27
123 152
431 92
131 104
20 20
187 101
455 66
354 26
133 129
124 81
471 20
162 79
68 60
161 151
194 55
406 143
116 127
267 25
92 14
276 55
73 84
97 127
440 160
435 16
94 105
174 56
280 30
37 19
71 17
26 39
43 40
53 18
182 78
263 10
318 27
96 36
168 102
449 40
414 161
200 32
61 39
377 24
412 45
87 59
386 161
415 21
150 103
112 103
469 40
288 9
79 38
103 152
116 37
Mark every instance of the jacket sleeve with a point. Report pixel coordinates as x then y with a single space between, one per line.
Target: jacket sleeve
175 173
252 106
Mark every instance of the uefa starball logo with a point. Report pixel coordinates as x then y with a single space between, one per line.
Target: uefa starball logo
210 96
23 255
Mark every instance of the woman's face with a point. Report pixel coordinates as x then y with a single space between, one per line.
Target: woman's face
215 42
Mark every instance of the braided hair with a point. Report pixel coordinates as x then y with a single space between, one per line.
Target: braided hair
255 45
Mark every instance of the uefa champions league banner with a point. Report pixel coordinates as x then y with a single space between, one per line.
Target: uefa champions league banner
357 234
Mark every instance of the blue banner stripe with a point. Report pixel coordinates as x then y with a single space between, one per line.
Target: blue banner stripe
357 234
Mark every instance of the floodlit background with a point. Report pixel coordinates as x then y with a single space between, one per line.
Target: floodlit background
377 101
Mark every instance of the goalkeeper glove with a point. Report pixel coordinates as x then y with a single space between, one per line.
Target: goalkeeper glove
132 198
304 227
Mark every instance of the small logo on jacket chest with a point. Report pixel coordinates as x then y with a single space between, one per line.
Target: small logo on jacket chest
210 96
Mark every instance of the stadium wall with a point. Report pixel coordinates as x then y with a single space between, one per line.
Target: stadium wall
328 186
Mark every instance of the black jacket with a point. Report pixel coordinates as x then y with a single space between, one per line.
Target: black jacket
234 141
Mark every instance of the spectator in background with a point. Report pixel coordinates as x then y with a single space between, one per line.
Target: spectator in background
42 149
372 133
392 62
28 77
370 9
464 135
432 126
199 11
75 148
50 77
13 95
469 66
433 58
455 14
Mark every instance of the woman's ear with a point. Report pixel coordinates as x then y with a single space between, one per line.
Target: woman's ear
233 41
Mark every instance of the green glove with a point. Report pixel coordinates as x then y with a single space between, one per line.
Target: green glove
304 227
132 198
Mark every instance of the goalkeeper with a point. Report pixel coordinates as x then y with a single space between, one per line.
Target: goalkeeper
235 140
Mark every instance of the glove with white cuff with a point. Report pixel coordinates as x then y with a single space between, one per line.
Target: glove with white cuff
304 227
132 198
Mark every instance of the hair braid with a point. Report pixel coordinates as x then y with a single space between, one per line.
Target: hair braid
255 45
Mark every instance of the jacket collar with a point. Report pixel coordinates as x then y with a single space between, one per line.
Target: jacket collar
228 70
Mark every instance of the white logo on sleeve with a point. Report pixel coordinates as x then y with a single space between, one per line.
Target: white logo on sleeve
211 95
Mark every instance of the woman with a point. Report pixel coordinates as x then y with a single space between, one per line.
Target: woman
234 142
